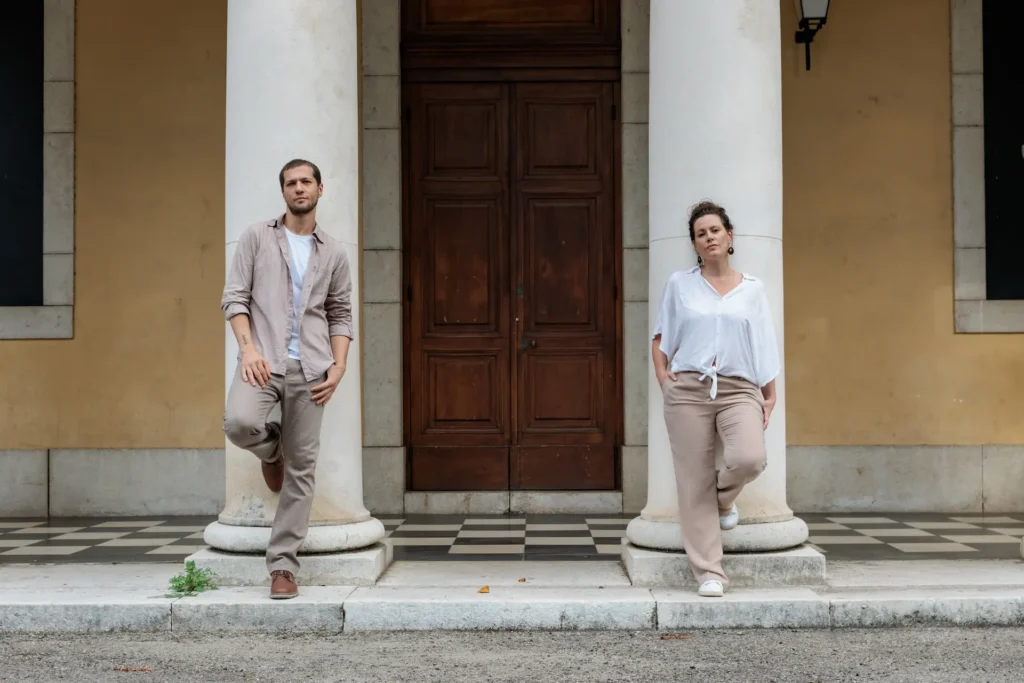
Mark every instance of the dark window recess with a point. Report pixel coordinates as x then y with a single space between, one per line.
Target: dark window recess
1004 148
21 155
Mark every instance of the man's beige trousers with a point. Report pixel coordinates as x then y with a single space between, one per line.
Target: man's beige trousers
297 439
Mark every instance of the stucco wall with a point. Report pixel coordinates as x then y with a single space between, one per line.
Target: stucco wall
872 357
871 352
145 367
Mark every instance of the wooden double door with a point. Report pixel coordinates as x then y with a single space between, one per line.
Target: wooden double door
511 310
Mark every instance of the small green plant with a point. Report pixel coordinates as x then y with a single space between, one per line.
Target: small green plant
192 581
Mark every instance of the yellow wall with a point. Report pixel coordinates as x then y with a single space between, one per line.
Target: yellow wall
871 355
145 368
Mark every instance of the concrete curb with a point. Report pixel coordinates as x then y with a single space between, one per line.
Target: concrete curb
782 608
345 609
512 609
954 607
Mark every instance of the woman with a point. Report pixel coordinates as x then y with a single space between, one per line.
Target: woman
716 359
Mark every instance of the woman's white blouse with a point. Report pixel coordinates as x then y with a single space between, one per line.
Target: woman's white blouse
702 331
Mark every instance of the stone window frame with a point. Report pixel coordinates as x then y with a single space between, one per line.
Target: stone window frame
55 318
974 312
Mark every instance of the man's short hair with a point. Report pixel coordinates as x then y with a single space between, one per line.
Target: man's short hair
295 163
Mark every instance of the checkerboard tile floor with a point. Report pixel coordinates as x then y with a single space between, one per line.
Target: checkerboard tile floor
100 540
514 537
858 536
916 536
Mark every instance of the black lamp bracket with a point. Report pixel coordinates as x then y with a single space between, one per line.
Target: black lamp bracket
806 36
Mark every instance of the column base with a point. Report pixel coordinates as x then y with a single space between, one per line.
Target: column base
660 569
320 539
353 568
744 538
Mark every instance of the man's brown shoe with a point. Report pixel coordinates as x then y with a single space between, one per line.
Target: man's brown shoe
273 474
282 585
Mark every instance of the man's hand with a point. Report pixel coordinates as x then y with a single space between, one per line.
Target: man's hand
255 370
322 392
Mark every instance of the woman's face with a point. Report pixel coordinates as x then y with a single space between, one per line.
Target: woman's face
710 238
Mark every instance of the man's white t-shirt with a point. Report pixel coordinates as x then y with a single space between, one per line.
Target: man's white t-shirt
300 246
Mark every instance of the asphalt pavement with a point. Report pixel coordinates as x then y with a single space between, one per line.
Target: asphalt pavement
939 655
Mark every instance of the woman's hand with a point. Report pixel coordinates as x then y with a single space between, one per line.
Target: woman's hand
662 375
769 406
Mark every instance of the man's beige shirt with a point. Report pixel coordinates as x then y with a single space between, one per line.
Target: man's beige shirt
259 285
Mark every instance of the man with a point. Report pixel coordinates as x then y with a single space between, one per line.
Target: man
288 300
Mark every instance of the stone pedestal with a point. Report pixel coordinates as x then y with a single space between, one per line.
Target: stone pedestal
716 132
661 569
292 92
351 568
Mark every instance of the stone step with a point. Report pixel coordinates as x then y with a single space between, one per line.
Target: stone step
336 609
503 608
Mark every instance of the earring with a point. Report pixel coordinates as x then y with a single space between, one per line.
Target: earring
731 250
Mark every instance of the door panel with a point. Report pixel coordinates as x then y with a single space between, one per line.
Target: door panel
565 468
459 322
560 257
563 232
562 138
464 131
511 272
463 278
463 468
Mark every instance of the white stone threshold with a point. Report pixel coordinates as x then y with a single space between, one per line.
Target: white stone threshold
555 596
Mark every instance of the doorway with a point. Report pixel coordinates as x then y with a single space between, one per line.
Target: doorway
511 244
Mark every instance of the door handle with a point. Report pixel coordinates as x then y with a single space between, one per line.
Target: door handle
532 343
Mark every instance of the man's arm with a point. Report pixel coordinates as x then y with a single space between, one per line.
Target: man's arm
238 281
338 304
339 349
243 332
338 309
255 369
235 304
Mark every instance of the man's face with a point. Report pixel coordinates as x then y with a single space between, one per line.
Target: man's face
301 192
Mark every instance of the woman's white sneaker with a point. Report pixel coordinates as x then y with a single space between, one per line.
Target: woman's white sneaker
711 588
730 520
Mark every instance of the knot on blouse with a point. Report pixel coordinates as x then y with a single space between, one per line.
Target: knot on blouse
711 370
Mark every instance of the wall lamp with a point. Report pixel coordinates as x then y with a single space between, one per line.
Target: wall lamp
813 14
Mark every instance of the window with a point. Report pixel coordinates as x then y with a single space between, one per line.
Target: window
37 156
988 165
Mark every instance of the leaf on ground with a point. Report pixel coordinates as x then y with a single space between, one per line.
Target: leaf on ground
133 668
522 580
676 636
485 589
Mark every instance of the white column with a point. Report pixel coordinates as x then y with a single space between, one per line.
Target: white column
716 132
292 91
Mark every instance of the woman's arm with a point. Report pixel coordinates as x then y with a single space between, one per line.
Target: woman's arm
661 370
768 391
666 313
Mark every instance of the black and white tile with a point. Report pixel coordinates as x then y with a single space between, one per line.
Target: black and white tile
916 536
507 537
856 536
100 540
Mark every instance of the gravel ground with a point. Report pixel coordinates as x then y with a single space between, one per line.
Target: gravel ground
978 655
